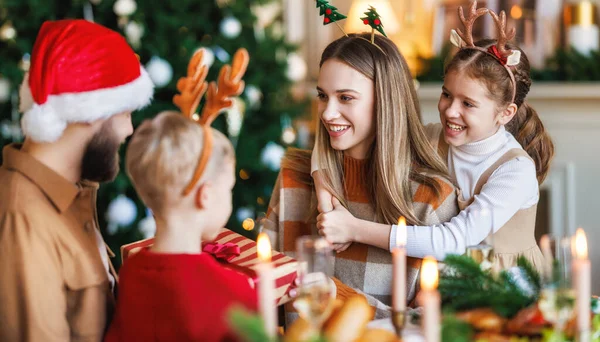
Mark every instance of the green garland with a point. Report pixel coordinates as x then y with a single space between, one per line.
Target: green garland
464 285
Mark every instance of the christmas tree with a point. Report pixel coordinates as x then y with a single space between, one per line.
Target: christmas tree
165 34
372 19
330 12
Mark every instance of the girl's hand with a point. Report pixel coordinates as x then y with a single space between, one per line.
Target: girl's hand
340 247
336 225
324 198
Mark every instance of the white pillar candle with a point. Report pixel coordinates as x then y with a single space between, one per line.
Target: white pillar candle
582 31
582 281
430 300
548 258
399 268
584 38
266 285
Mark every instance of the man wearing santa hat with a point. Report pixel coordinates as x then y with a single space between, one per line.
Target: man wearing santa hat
56 280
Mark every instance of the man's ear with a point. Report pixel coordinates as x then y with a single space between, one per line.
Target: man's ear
508 114
201 196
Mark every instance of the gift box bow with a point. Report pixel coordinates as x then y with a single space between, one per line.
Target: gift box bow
222 251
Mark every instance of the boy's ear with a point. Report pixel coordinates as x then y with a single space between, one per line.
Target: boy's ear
508 114
201 197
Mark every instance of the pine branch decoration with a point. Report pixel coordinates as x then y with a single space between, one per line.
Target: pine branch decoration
533 277
464 285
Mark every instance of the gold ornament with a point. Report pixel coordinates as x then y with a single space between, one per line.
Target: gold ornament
7 31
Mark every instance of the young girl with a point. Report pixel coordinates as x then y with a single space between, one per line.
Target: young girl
363 102
497 152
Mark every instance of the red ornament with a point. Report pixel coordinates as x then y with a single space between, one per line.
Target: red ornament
328 11
326 20
377 22
366 21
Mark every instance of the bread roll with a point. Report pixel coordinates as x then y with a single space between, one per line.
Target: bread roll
379 335
492 337
300 329
484 319
350 322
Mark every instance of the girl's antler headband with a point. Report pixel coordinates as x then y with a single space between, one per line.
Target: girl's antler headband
504 56
218 98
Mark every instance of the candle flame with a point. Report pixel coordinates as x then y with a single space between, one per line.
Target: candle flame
429 274
401 232
263 247
581 250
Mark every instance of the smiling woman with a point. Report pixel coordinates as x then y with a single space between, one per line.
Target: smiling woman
374 157
346 113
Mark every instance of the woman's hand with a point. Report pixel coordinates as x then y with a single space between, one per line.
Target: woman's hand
336 225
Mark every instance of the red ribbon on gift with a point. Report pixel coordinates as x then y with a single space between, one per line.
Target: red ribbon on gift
222 251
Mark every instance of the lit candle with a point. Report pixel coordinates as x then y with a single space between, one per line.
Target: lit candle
582 281
430 300
583 33
266 285
399 270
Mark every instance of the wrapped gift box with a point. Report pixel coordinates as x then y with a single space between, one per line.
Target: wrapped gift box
237 252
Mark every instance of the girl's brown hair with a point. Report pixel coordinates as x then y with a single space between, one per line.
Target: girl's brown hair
526 125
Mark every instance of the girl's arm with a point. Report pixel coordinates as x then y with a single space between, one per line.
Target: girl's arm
509 189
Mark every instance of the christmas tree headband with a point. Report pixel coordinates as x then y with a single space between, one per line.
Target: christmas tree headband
192 88
504 56
371 18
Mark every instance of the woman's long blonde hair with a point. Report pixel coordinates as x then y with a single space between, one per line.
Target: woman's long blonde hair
401 152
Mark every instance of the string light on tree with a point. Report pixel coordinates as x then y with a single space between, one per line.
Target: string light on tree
231 27
208 56
121 213
147 225
7 31
235 117
289 135
265 16
222 55
124 8
25 62
296 68
253 95
243 213
160 71
248 224
134 32
4 89
271 156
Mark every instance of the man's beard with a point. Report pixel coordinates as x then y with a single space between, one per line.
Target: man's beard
100 161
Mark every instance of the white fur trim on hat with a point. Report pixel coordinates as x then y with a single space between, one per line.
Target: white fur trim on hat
46 122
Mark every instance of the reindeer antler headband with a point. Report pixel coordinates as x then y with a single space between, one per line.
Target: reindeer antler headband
218 98
504 56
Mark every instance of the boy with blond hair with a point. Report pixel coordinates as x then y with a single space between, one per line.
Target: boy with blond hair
174 292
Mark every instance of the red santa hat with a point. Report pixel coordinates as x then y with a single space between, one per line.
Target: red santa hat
79 72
